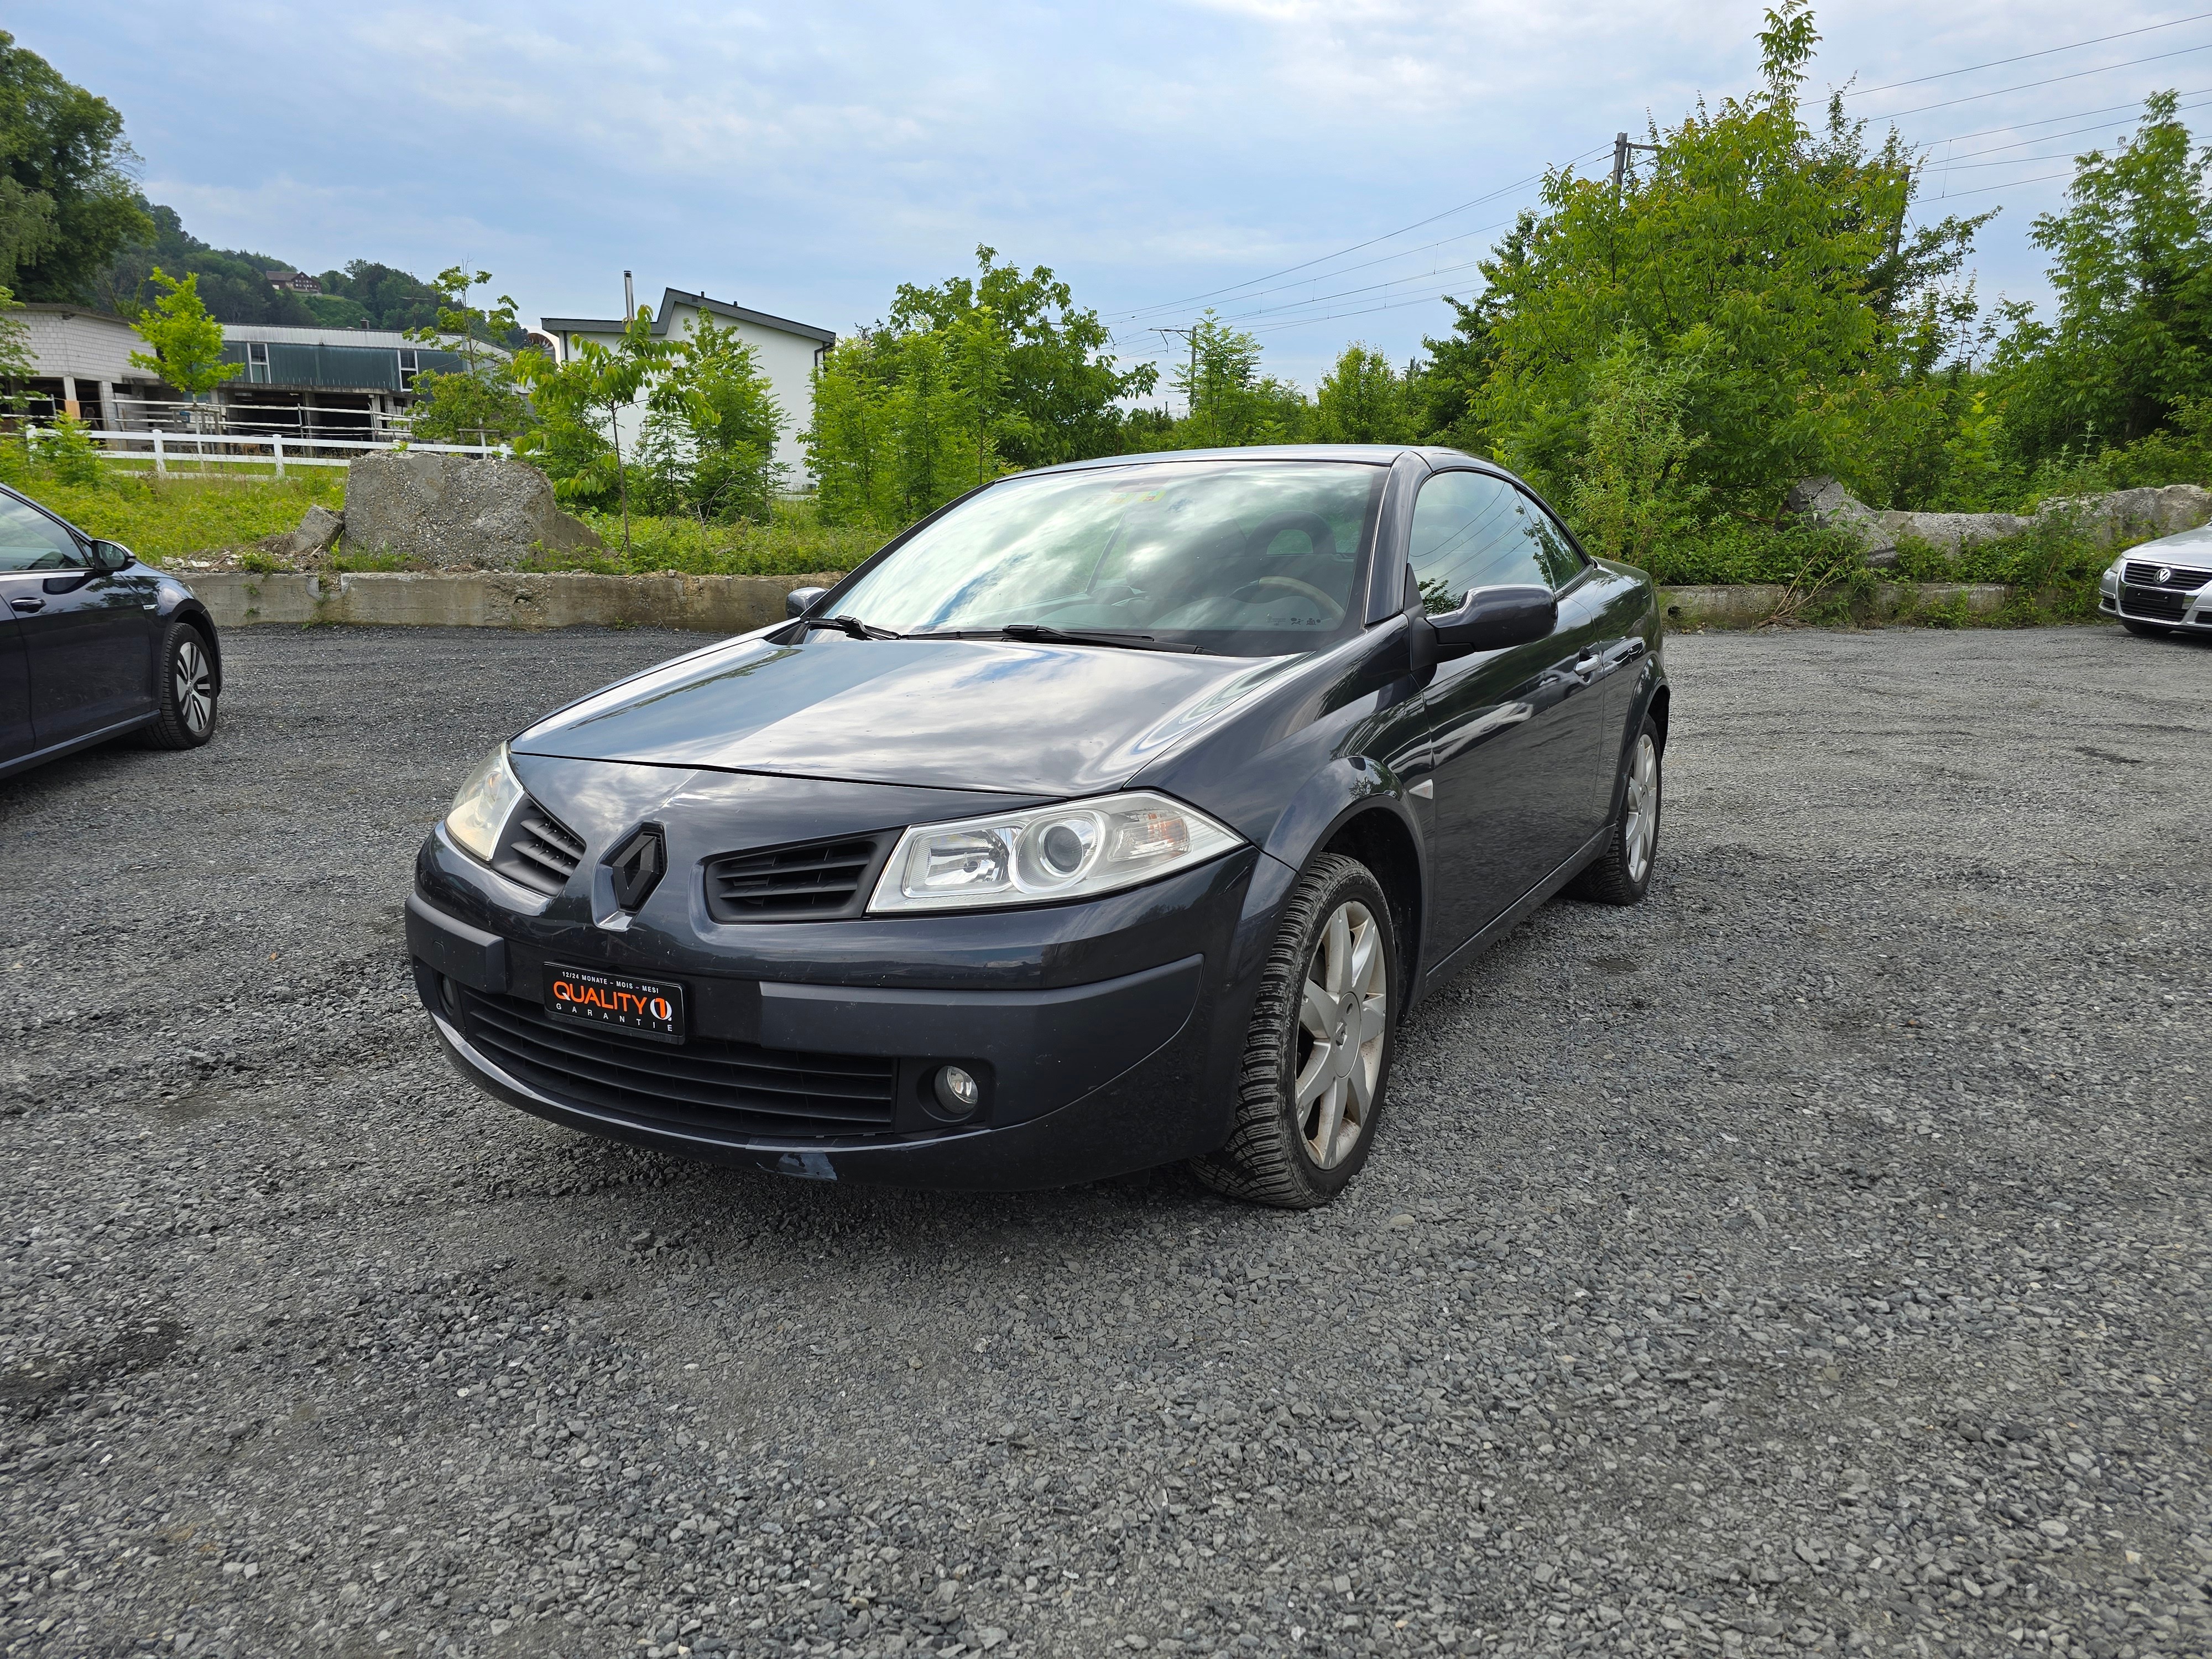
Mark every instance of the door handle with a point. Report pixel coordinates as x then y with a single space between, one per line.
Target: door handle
28 604
1587 669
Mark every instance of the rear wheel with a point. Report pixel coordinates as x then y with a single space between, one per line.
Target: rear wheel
1317 1058
2148 630
1622 873
188 695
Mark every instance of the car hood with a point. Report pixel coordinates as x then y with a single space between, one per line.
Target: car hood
1026 718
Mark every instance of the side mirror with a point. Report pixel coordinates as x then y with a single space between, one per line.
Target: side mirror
109 557
801 600
1492 618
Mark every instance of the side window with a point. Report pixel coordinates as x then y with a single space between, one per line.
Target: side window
1554 551
29 540
1471 531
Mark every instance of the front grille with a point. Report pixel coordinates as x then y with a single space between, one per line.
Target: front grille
2154 603
538 850
813 881
2142 575
724 1088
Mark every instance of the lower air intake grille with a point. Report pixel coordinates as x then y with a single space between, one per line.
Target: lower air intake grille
813 881
2154 603
711 1085
538 850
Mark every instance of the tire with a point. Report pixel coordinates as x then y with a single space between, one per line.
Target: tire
1622 873
188 693
2146 631
1336 925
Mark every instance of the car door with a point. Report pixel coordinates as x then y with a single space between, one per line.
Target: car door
87 634
1513 734
15 739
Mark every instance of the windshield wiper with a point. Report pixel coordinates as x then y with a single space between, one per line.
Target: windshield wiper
1044 634
853 626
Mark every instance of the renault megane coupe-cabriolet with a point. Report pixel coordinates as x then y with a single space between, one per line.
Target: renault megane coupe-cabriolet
1113 815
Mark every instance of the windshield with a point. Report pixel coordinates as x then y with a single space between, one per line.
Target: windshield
1246 558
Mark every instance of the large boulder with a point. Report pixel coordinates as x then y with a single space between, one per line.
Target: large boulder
1824 501
455 511
2154 510
318 532
1948 532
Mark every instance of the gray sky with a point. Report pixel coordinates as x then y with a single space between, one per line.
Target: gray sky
803 160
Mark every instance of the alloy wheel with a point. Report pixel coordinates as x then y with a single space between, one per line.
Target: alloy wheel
1343 1021
1641 828
195 687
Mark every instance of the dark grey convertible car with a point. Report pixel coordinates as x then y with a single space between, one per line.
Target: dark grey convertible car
95 645
1113 815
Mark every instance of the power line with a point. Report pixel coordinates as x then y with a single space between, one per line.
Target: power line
2015 184
1994 62
2025 86
2041 138
1321 259
2048 120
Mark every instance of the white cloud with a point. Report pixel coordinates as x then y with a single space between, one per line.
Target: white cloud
806 160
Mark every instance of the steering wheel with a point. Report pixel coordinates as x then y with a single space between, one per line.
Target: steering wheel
1336 610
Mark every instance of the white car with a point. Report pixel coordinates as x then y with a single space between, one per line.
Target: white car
2163 586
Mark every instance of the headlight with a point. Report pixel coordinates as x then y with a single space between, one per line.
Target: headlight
479 812
1050 854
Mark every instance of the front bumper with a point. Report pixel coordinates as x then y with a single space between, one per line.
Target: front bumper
2160 605
1106 1034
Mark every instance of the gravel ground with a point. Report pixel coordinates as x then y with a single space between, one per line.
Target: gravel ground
1813 1257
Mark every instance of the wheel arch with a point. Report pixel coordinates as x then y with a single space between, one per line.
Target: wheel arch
1382 840
195 615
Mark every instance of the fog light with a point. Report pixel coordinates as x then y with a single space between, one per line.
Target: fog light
956 1092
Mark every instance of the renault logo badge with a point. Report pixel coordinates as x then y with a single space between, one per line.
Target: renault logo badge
637 866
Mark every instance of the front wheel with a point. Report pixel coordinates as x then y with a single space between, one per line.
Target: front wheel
1317 1058
186 716
1622 873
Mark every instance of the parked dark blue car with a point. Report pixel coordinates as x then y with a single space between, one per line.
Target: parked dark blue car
1113 815
95 645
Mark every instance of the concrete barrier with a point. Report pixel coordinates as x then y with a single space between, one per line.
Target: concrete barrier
731 604
1755 603
498 598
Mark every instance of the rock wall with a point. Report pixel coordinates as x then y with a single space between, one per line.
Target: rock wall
454 511
2159 511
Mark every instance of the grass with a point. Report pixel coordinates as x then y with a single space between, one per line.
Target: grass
177 517
221 514
794 542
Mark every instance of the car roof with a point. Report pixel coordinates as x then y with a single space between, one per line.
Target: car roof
1367 454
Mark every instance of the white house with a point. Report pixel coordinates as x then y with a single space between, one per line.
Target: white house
787 353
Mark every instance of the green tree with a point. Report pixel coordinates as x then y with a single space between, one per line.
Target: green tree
573 399
710 436
65 205
1055 394
17 364
2131 263
1362 400
459 326
233 283
480 406
1635 496
1231 403
1767 267
187 342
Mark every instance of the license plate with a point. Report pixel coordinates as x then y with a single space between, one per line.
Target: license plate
652 1008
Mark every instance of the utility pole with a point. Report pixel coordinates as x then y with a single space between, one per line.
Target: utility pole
1190 334
1620 149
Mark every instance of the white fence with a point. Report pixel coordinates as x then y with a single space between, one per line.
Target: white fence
224 448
